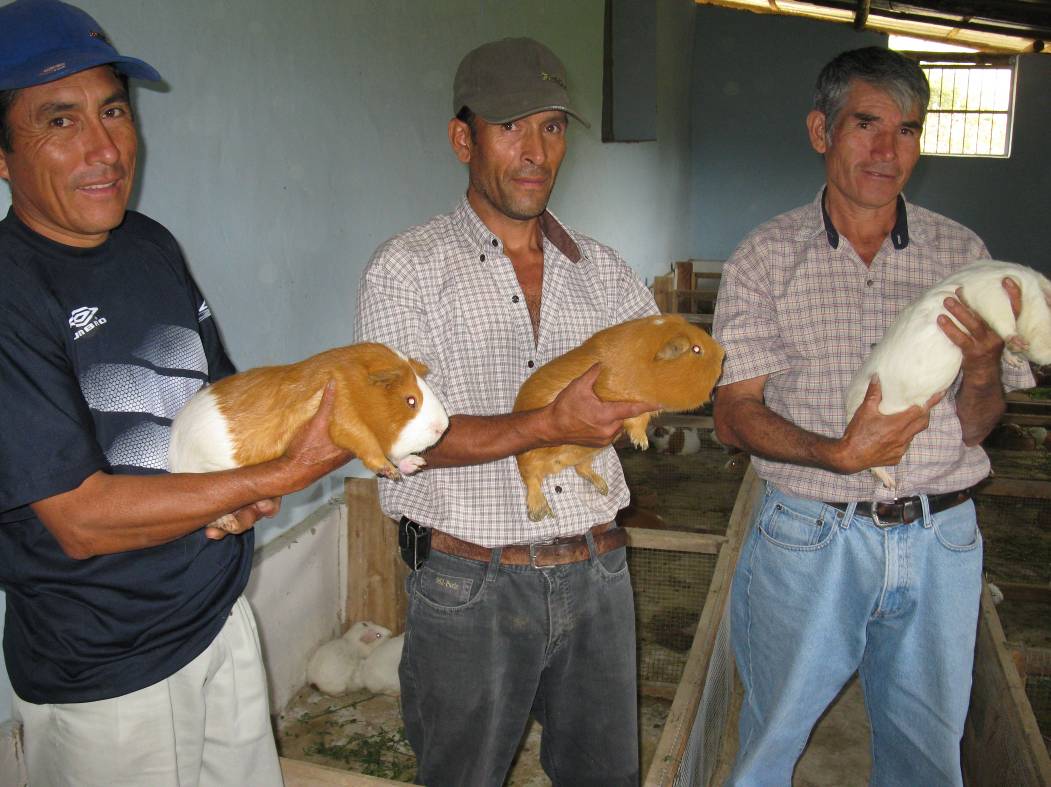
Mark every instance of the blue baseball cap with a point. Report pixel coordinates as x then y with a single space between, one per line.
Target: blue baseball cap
45 40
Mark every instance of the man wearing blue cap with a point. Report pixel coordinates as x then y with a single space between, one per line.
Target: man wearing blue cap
132 652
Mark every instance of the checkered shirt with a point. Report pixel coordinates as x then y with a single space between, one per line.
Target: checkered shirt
444 292
795 308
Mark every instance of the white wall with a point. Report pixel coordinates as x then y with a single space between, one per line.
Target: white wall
292 138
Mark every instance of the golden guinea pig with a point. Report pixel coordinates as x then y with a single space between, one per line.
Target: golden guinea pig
662 359
384 412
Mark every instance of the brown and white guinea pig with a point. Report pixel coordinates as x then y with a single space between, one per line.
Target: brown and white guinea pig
384 412
662 359
679 440
915 359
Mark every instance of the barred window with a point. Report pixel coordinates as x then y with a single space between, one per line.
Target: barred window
972 99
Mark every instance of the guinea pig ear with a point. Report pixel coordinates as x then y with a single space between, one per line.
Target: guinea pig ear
419 367
673 348
385 377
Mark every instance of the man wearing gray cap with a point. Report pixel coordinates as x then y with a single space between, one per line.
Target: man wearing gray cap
132 652
510 618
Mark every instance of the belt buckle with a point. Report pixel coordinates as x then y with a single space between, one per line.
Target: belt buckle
532 553
875 517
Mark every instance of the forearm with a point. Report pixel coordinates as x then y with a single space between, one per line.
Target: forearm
474 439
116 513
756 429
979 405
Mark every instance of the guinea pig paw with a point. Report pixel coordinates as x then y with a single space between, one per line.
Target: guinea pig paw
882 474
389 471
411 463
1016 344
641 444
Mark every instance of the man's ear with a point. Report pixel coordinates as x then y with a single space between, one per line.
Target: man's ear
460 139
3 165
815 126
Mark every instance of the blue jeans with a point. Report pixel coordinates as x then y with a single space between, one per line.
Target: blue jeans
488 645
819 593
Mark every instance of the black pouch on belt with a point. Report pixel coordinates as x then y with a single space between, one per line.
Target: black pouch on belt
414 542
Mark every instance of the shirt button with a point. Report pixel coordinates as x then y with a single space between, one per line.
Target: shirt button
868 283
481 258
530 364
514 299
558 489
495 243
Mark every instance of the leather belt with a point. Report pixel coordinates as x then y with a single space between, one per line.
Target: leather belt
903 510
571 549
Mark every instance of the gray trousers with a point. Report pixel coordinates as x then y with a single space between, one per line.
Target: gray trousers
487 645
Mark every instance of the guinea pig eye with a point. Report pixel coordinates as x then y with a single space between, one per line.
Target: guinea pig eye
696 348
411 401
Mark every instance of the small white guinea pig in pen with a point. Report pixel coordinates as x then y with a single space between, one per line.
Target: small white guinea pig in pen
662 359
379 671
384 412
333 668
915 359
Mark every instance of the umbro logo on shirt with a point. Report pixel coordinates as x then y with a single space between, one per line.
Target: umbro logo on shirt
203 312
84 320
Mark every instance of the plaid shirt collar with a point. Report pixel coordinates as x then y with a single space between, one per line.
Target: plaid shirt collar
819 222
483 238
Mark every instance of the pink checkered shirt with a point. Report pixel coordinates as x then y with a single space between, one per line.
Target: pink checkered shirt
793 307
446 293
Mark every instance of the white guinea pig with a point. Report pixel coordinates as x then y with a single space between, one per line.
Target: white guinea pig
379 671
333 668
384 412
915 359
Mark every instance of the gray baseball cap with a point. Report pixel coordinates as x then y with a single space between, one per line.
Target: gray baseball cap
511 78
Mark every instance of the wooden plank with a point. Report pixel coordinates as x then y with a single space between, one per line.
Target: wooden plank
700 319
1001 741
1025 592
1016 487
674 540
682 419
653 688
683 281
662 291
299 773
672 744
1026 419
375 571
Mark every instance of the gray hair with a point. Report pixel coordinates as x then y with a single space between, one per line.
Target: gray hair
890 71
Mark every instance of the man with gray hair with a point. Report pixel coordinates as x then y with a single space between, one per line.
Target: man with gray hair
838 575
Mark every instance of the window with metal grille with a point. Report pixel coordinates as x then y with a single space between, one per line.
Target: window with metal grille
972 99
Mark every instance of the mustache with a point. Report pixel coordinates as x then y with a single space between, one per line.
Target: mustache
116 172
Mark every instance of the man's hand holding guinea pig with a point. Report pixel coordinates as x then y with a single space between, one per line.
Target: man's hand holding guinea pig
578 417
310 455
873 439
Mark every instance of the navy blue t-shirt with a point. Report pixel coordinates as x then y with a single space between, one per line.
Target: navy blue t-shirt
99 349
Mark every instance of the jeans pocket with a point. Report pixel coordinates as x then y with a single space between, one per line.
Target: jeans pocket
613 565
809 527
443 585
957 529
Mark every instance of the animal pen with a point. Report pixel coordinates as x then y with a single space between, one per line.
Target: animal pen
689 513
686 524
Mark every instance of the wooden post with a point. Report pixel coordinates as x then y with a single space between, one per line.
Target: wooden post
662 292
375 571
684 282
